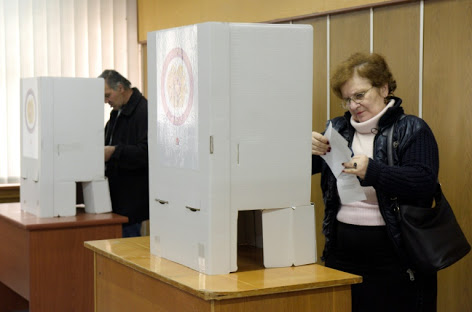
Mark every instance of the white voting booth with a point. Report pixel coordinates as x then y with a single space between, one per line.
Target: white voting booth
62 140
230 117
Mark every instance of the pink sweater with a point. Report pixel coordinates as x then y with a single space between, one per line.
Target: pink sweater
364 212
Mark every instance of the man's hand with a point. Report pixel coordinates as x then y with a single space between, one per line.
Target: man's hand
109 150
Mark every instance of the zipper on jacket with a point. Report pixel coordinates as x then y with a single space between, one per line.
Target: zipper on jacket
412 274
382 213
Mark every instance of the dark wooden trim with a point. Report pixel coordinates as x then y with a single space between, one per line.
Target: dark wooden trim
9 193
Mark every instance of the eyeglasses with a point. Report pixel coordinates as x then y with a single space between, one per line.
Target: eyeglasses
356 98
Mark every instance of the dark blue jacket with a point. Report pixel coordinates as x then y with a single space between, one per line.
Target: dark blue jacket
412 179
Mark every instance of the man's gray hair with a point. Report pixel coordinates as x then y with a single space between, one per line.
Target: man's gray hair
114 79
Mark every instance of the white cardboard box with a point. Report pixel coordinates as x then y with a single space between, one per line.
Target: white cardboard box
62 140
230 117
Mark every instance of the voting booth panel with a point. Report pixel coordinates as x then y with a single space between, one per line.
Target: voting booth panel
230 108
62 140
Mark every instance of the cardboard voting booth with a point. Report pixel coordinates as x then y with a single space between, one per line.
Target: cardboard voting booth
62 138
230 117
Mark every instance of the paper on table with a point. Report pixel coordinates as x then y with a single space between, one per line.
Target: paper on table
349 188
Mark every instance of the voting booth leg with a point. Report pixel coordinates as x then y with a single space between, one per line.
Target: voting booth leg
289 236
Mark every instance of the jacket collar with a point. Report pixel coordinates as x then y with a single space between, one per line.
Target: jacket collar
390 116
133 101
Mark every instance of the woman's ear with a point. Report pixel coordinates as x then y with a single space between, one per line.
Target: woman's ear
384 90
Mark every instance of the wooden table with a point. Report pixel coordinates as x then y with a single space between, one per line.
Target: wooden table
43 263
129 278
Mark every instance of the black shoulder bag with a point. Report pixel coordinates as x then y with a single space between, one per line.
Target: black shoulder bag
432 237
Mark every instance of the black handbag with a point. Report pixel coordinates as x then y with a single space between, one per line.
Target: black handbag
432 237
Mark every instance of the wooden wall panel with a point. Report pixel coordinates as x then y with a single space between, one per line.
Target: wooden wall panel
320 84
349 33
396 36
160 14
144 70
447 109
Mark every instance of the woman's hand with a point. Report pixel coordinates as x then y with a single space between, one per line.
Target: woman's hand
357 165
319 144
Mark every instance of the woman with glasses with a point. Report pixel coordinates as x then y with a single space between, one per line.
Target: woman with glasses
363 237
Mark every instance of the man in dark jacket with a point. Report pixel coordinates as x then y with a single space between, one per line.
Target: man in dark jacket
126 151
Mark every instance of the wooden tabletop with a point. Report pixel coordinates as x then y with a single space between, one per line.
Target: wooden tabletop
247 281
12 213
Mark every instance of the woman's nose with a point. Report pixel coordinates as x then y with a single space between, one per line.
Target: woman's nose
353 105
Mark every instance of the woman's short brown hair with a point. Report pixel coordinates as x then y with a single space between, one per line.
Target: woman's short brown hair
371 66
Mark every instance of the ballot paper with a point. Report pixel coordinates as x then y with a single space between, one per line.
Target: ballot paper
349 188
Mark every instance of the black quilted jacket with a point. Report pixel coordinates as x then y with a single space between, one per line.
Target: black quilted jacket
412 180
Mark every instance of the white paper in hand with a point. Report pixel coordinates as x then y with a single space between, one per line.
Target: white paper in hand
340 152
349 188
